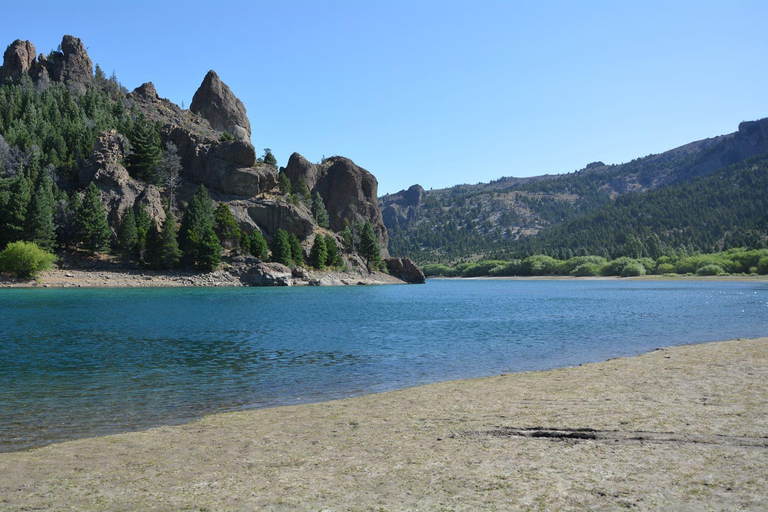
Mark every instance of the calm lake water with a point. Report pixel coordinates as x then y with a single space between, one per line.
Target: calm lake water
84 362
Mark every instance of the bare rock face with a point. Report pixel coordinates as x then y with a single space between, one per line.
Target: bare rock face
298 168
117 189
253 272
71 65
401 207
19 58
215 102
349 193
146 91
405 269
274 214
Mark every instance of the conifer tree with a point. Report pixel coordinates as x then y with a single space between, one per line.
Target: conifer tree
208 252
226 226
318 254
318 210
91 227
346 236
142 228
146 150
297 251
170 254
14 215
258 245
333 258
152 254
284 183
281 248
40 228
127 234
245 242
198 220
269 158
301 188
369 245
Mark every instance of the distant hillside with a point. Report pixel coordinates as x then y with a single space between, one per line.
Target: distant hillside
512 216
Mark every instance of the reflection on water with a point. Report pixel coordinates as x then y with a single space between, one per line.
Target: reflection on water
77 363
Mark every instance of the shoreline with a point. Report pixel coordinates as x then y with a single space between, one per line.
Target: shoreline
683 426
679 277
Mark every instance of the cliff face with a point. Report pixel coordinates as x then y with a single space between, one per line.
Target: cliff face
228 168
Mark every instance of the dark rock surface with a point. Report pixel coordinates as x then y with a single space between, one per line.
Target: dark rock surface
298 168
405 269
215 102
71 65
19 58
273 214
401 207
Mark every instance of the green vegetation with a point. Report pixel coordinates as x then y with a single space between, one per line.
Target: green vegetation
226 226
369 247
318 255
732 261
281 248
258 245
270 159
146 150
198 238
284 183
91 227
25 259
297 251
319 212
333 254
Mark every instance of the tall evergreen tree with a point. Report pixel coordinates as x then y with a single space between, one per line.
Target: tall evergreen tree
143 223
318 254
318 210
198 220
91 227
301 188
258 245
333 259
208 252
284 183
297 251
170 254
153 251
40 227
127 234
281 248
369 245
226 226
14 215
347 239
146 150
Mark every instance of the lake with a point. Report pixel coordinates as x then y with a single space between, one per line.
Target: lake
82 362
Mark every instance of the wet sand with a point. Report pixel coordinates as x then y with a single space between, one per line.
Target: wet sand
683 428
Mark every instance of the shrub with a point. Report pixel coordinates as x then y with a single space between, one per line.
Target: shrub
482 268
710 270
538 266
665 268
25 259
633 269
438 269
586 269
568 266
762 265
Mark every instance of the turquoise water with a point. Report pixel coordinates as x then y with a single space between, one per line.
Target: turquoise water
84 362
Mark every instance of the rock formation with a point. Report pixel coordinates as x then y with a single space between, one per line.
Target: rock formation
70 65
348 191
19 58
216 103
118 190
405 269
401 207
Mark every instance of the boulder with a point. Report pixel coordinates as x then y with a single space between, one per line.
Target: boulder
349 193
253 272
405 269
215 102
19 58
298 168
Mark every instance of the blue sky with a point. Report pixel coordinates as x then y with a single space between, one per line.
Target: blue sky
440 93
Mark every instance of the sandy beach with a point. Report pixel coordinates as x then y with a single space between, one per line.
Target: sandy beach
683 428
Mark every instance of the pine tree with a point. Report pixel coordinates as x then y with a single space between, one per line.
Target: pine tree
346 236
283 183
142 228
170 254
333 259
40 228
318 210
301 188
258 245
14 215
208 252
297 251
369 245
226 226
127 234
147 151
269 158
245 242
198 220
152 254
91 227
318 254
281 248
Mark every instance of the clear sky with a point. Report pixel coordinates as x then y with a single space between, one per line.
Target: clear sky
440 93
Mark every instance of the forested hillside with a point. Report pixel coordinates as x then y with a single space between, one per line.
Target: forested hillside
546 214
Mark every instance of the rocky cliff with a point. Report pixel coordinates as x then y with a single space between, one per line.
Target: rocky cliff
69 64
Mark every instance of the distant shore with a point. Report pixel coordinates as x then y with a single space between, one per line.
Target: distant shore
677 428
757 278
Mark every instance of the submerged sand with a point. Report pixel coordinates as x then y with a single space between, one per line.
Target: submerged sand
682 428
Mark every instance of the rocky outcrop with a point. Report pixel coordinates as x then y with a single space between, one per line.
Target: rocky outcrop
19 58
405 269
253 272
215 102
229 167
348 191
118 190
402 207
273 214
70 65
